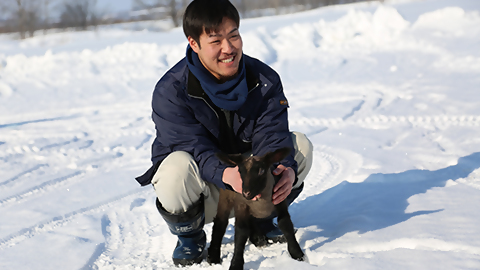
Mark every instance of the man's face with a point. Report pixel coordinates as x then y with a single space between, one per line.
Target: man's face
220 51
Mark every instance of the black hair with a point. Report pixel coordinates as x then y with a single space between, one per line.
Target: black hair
207 15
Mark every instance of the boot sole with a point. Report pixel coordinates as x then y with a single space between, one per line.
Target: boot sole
187 262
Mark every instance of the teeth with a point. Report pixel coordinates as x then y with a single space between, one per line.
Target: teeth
227 60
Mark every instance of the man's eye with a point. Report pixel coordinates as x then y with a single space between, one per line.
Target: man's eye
215 42
261 171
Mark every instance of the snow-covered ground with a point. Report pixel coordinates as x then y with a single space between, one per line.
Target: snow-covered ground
389 94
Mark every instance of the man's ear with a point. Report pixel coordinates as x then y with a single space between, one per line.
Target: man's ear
195 46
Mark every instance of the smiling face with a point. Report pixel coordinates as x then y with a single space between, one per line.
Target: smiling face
220 51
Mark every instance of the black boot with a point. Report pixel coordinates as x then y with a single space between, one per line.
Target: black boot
188 226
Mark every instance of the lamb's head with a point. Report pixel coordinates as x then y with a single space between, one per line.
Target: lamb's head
254 169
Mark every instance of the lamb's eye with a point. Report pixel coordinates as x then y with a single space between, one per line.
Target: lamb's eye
261 171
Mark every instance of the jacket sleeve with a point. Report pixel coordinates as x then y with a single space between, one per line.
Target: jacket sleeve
271 130
178 130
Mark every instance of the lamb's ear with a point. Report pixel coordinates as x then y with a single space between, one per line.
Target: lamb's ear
232 160
277 155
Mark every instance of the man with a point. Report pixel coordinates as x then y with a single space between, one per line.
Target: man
217 99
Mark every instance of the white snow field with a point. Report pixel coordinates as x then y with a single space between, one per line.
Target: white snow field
388 93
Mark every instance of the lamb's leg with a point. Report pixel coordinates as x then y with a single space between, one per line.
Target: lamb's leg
286 226
220 223
242 231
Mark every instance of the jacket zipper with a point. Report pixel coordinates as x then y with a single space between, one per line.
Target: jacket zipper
254 87
207 104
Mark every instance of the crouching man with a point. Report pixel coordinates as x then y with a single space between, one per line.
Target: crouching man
217 99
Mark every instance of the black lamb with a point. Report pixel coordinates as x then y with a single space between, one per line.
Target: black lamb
257 179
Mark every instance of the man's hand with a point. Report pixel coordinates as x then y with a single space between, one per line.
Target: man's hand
232 177
284 186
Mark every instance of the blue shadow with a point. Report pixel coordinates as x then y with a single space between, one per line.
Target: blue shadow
376 203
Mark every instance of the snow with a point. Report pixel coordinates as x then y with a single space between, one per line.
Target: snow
388 94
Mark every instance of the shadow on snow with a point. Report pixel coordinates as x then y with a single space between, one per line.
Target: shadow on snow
376 203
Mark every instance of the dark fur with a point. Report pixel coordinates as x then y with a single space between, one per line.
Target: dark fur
257 179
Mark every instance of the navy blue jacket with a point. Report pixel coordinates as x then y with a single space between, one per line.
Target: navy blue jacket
186 120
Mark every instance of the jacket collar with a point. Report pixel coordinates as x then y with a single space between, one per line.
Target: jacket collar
195 89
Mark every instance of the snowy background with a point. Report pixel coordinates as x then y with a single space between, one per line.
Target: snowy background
388 93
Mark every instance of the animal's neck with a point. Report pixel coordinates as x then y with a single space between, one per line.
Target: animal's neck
263 207
268 191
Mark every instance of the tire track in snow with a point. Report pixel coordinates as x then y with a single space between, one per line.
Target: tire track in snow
17 124
330 167
85 143
59 221
54 184
37 167
132 237
141 234
101 248
326 169
51 185
463 120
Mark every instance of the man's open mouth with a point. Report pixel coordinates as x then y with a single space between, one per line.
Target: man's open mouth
228 60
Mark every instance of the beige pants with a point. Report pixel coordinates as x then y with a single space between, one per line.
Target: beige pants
178 183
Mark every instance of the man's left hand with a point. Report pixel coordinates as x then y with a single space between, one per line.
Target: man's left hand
284 186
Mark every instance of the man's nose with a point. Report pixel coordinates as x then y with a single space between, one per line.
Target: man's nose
227 46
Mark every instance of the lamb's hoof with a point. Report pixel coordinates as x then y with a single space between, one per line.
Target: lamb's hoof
297 254
303 258
236 267
237 263
213 257
214 260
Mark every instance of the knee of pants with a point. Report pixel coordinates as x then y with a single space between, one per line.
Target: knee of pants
174 172
303 156
302 144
